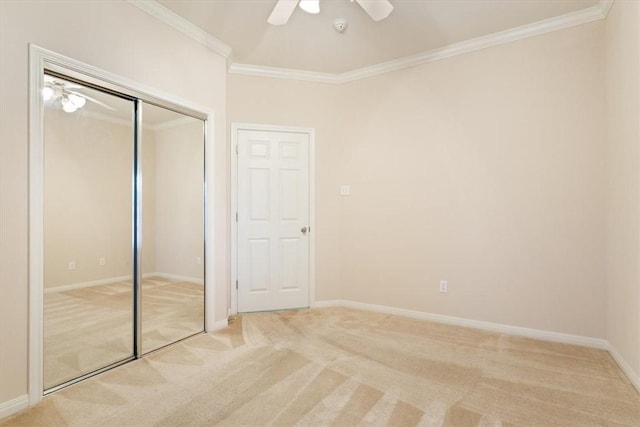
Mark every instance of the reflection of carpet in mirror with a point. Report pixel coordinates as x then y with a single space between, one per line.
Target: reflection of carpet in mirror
89 328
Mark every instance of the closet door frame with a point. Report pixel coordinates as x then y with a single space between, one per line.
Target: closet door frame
41 60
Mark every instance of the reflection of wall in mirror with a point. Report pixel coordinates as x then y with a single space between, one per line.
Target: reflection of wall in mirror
87 198
179 200
88 163
148 202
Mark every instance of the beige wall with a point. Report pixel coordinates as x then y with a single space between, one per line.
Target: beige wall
179 207
485 170
121 39
622 44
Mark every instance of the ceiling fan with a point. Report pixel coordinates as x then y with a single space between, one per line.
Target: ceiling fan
377 9
66 93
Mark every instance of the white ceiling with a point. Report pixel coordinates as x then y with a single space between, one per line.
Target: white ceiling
309 42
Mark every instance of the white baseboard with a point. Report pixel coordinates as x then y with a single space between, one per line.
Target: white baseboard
175 277
14 405
109 280
470 323
81 285
220 324
494 327
633 376
327 303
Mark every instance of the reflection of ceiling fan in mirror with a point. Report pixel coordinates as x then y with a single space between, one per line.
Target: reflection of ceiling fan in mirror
377 9
55 90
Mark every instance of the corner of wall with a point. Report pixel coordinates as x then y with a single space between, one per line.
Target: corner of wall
632 375
622 91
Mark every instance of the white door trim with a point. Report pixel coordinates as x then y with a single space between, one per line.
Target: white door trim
39 59
235 127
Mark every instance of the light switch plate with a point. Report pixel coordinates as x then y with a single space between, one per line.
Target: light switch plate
345 190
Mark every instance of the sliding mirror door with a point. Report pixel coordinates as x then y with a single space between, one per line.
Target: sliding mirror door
123 221
172 226
88 211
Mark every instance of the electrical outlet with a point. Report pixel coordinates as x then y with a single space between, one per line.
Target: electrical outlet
198 260
102 261
72 265
443 286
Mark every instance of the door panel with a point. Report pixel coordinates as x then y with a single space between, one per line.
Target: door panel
273 210
259 280
172 170
289 264
259 197
88 280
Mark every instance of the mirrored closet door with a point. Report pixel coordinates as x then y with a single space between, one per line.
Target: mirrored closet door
123 228
88 204
172 226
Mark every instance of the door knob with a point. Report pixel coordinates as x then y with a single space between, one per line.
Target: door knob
304 230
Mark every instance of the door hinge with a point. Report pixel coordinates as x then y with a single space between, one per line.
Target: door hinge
236 148
236 285
236 216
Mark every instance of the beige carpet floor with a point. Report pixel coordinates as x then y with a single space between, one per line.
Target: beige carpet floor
89 328
347 367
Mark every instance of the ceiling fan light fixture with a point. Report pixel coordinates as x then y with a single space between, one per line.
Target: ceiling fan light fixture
47 93
77 100
310 6
376 9
67 105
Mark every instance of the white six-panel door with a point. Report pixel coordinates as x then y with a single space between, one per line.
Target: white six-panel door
273 220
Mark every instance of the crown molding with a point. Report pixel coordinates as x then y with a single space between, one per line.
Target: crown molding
284 73
176 21
584 16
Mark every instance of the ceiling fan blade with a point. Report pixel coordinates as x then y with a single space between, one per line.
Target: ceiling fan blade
50 80
377 9
282 12
88 98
